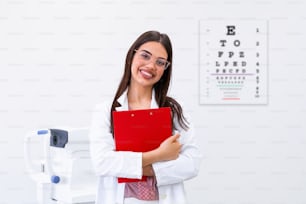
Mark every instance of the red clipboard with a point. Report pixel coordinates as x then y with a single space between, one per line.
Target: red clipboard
141 131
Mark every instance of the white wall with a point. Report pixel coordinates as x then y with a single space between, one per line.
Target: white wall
60 57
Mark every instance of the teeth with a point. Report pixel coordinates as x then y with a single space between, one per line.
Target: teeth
146 73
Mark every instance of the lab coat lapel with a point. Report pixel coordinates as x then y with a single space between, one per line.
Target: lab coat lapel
123 100
153 101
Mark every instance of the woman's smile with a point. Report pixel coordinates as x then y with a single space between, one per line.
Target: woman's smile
146 74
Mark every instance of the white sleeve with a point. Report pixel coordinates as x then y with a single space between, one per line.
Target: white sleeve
186 166
107 161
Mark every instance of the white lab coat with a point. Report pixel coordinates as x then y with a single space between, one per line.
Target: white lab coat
109 164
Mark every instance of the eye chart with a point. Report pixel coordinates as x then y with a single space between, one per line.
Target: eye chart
233 62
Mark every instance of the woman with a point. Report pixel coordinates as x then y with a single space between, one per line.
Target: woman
144 85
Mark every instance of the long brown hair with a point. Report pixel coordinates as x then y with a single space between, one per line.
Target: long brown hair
161 87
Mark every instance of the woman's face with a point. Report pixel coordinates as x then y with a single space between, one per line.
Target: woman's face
148 64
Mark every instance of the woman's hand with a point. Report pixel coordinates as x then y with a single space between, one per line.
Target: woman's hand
170 148
148 171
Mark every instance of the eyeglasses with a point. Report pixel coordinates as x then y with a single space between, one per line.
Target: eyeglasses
146 56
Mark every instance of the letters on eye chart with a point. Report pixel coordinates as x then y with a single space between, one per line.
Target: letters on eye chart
233 61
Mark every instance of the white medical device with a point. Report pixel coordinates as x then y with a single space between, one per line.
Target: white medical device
58 161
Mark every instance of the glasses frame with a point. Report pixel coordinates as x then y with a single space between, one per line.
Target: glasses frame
167 62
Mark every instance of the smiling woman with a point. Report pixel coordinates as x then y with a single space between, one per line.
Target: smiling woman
148 65
144 85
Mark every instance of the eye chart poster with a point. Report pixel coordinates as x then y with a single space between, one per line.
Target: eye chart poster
233 62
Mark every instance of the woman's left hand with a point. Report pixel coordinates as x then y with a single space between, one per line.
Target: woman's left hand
148 171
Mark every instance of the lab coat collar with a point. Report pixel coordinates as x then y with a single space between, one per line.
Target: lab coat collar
123 100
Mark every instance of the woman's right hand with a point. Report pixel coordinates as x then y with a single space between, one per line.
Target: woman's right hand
170 148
